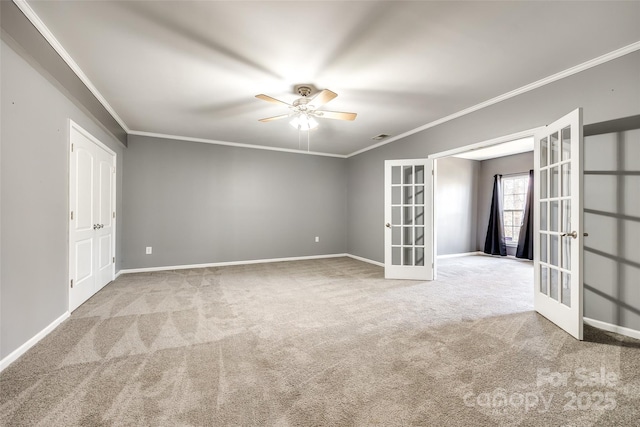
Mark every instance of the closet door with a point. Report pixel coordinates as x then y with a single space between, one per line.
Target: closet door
91 218
105 217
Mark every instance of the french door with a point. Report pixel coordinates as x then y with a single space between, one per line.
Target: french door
408 219
558 223
92 216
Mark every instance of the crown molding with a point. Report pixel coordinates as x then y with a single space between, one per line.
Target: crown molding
531 86
233 144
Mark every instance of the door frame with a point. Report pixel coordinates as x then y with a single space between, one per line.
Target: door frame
73 126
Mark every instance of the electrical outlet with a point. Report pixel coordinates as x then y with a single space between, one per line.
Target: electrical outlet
148 250
317 239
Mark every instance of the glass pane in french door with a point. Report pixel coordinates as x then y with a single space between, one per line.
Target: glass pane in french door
555 216
407 219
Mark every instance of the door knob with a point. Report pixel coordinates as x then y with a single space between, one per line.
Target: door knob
95 226
387 225
573 234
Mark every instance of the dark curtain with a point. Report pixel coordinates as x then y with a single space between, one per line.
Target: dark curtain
525 239
494 243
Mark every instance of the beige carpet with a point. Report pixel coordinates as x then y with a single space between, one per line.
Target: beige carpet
322 343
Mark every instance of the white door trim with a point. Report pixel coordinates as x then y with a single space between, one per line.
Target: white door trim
73 126
486 143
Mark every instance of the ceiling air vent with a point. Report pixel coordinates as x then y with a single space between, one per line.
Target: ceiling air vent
379 137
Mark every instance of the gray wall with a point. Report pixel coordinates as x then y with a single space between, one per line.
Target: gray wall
197 203
612 219
456 205
518 163
608 91
34 197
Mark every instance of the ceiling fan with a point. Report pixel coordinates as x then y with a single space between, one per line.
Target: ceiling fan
304 110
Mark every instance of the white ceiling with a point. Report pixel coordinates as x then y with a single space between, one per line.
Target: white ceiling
192 69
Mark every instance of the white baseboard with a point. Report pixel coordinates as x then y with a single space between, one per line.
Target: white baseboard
370 261
11 357
632 333
225 264
460 255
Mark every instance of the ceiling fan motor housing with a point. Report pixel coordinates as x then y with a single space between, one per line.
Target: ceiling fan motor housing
305 90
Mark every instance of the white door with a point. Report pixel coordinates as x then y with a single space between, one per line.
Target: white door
92 216
408 219
558 223
105 216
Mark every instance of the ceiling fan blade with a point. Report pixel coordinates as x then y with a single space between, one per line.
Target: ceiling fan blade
323 97
271 99
338 115
269 119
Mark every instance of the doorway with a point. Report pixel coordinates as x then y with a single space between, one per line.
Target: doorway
466 231
557 218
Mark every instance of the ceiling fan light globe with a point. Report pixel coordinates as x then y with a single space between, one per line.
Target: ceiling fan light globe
303 122
312 123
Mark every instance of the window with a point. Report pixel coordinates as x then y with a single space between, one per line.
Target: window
514 194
